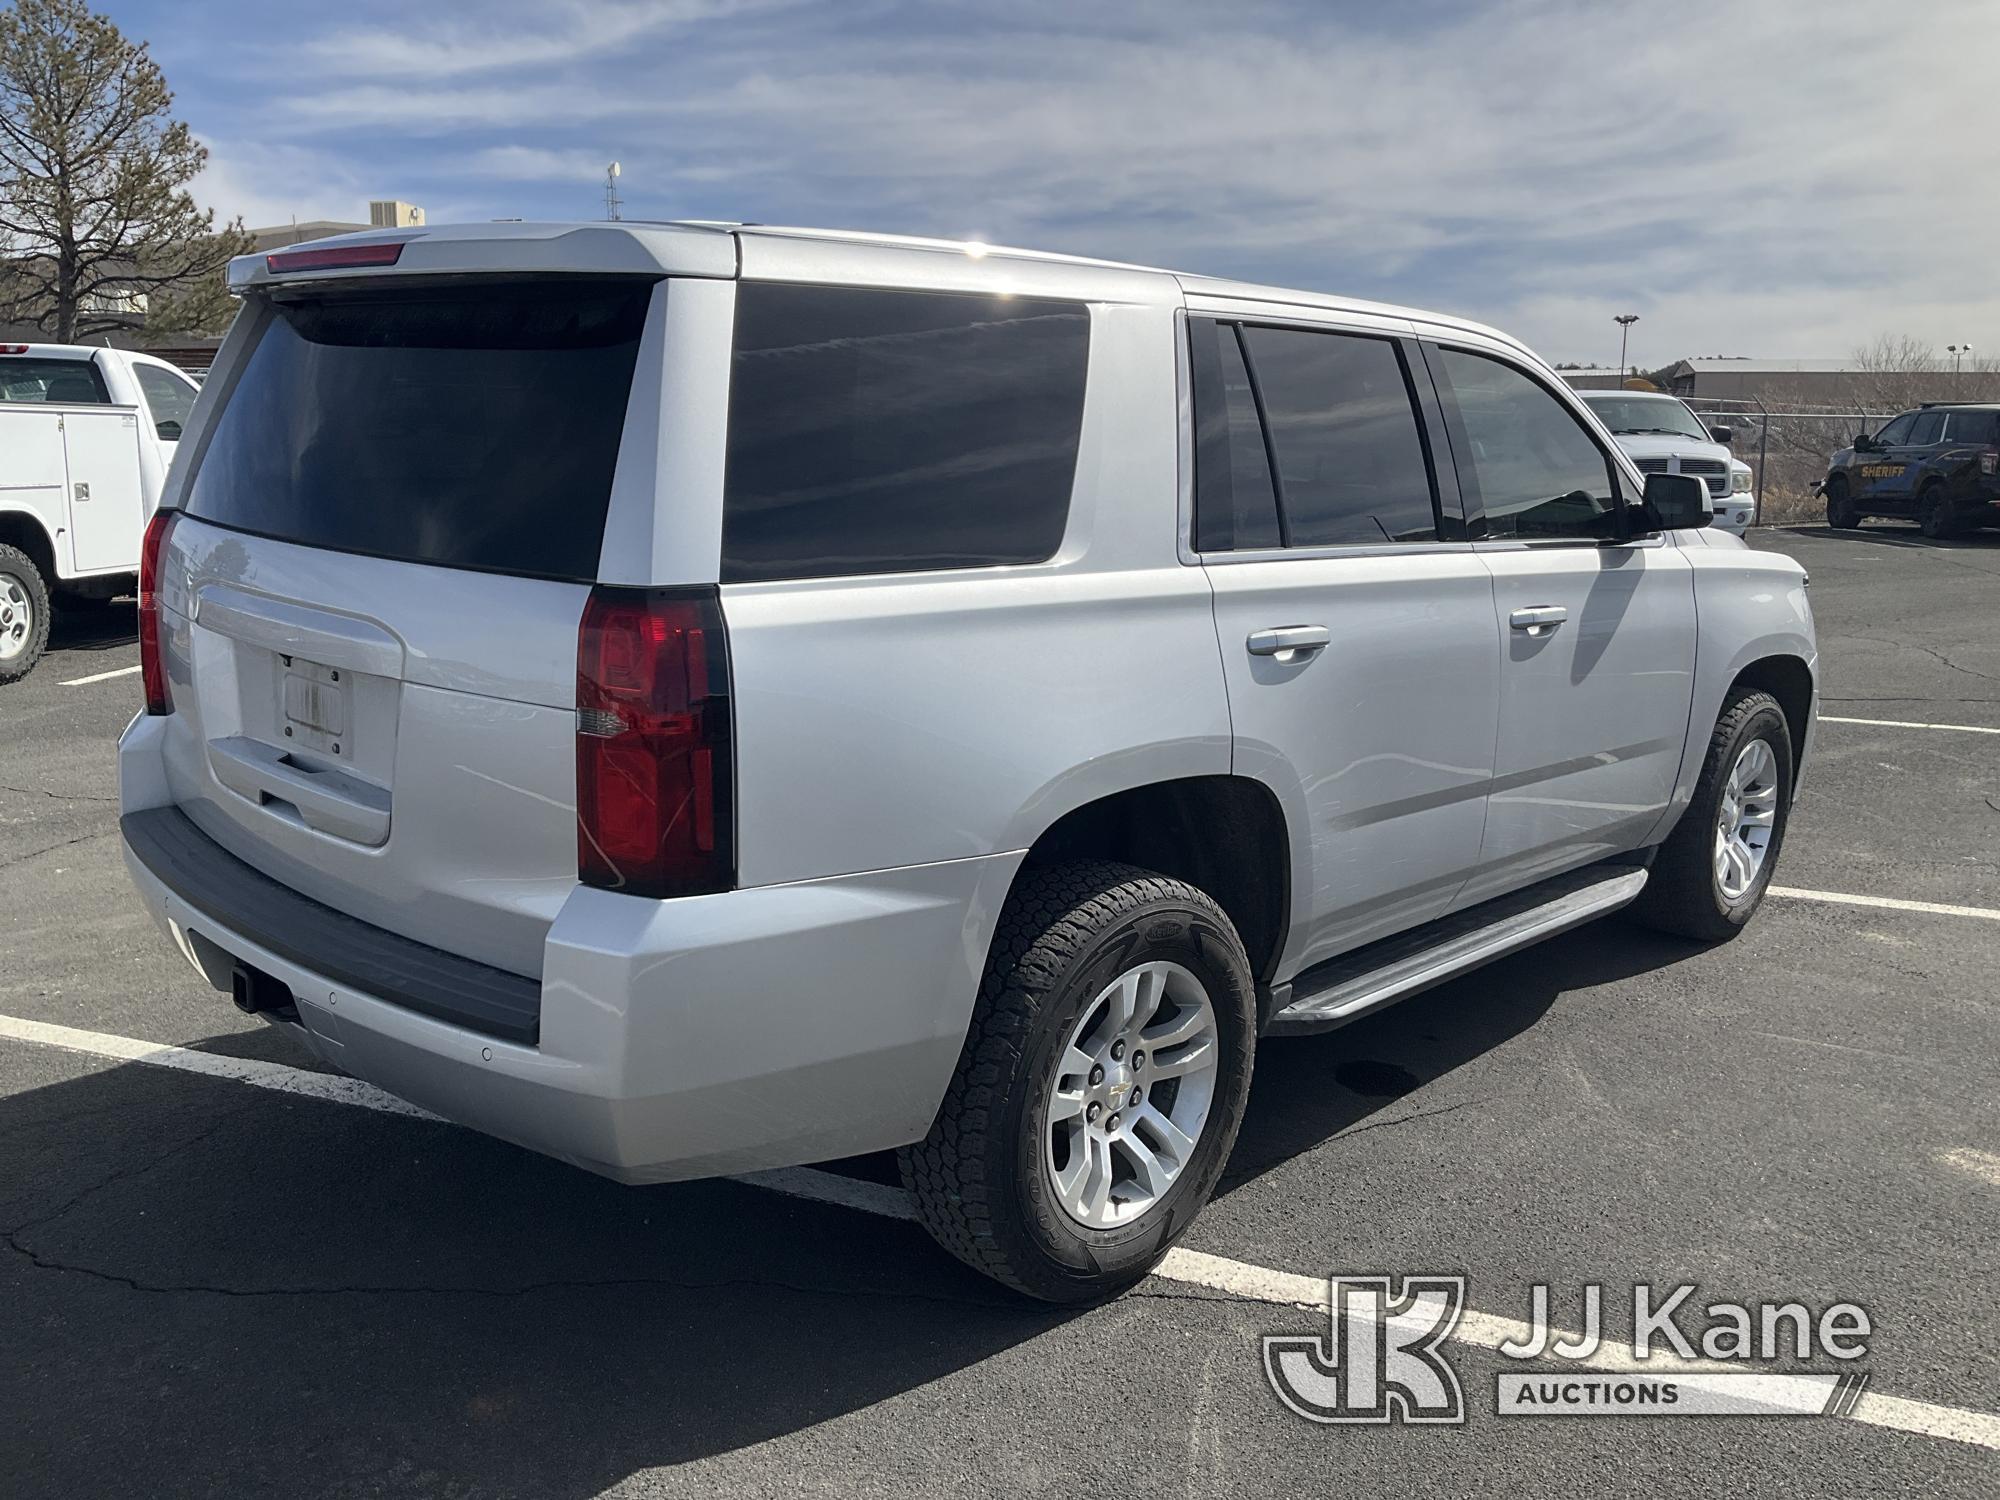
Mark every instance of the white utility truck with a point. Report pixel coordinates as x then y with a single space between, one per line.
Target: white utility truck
86 438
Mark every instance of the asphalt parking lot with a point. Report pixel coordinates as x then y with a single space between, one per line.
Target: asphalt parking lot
210 1286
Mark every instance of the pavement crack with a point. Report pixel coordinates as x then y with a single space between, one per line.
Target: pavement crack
129 1173
1930 651
82 838
1409 1119
39 791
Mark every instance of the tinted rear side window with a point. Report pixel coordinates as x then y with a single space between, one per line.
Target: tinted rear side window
1235 504
883 431
475 427
1982 427
1351 462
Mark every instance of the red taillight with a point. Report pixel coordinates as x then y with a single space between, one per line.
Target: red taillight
152 664
654 805
334 258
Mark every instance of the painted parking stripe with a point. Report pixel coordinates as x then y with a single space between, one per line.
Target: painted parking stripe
1985 1165
1908 724
100 677
332 1087
1234 1278
1887 903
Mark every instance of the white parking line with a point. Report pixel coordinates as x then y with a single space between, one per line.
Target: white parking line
1908 724
1984 1165
1218 1273
1890 903
332 1087
100 677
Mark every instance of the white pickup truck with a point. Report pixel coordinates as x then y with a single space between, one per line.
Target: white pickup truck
86 438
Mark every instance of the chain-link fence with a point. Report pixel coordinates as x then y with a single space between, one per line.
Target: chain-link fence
1787 447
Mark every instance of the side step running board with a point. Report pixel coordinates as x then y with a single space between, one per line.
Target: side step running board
1333 993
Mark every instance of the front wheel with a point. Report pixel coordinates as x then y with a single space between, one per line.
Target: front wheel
1713 870
1840 511
1102 1081
24 614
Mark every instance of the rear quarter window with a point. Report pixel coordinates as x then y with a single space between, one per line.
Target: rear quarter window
1982 427
475 426
880 431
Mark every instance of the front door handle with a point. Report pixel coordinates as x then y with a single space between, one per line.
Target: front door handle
1288 640
1538 619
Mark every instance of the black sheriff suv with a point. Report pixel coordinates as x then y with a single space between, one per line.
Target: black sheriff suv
1938 465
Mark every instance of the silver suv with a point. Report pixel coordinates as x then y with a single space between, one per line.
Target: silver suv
689 698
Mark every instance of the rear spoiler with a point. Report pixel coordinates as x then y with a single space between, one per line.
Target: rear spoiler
493 249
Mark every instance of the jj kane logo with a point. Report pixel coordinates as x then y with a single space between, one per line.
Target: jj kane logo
1382 1358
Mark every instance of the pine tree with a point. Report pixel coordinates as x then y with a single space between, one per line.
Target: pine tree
94 211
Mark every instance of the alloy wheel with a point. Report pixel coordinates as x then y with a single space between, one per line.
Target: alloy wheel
1131 1095
17 617
1745 820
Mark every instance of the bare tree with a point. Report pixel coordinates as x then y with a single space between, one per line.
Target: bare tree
96 224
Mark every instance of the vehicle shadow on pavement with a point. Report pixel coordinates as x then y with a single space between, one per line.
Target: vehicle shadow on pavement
1310 1089
227 1289
221 1289
94 627
1897 534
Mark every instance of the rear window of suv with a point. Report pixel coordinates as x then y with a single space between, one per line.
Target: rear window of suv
467 427
888 431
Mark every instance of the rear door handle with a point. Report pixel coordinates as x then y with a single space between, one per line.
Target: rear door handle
1286 639
1538 619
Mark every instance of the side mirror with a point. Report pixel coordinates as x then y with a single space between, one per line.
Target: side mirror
1676 502
1863 443
1722 434
169 430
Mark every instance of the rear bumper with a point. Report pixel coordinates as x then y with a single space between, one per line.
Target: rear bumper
712 1034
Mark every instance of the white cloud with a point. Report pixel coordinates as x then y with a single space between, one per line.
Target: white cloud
535 164
1772 179
271 185
500 37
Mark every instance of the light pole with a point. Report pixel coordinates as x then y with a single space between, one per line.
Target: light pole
1957 353
1624 322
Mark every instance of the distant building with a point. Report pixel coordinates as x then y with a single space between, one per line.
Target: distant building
383 213
280 235
1749 379
1593 377
1798 384
394 213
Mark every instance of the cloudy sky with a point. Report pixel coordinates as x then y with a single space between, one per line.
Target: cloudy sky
1766 177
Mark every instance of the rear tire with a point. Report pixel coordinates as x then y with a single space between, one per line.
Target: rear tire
24 614
1932 518
990 1178
1840 511
1706 884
